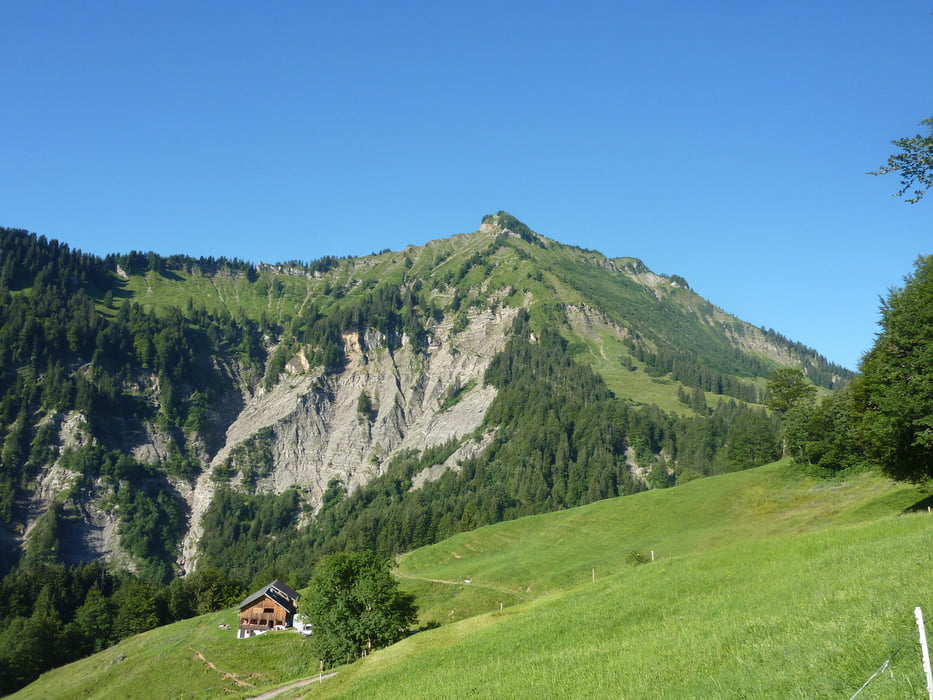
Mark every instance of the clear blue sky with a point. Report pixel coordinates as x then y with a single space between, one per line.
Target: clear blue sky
727 142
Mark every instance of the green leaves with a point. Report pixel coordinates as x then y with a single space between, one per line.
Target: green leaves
354 605
914 163
788 387
897 403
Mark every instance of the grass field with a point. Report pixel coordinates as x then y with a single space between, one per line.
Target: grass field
765 584
811 619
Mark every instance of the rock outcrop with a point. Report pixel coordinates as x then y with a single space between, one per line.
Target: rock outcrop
318 432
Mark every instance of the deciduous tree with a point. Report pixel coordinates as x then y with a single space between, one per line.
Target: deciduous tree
354 605
791 396
914 162
787 388
897 394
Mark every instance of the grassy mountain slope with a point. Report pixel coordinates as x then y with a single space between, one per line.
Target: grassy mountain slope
497 265
765 584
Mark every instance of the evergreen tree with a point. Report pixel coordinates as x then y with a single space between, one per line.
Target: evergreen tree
93 622
751 442
136 608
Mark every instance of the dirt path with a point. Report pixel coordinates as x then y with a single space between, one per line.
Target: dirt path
291 686
521 595
431 580
224 675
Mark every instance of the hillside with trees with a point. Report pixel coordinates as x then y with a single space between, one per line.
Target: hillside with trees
161 417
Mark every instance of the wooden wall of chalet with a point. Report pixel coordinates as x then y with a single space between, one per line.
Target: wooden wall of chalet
265 613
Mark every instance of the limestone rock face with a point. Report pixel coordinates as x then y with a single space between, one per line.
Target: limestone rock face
318 432
312 424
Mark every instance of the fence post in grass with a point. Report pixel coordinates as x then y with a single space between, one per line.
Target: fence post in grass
918 613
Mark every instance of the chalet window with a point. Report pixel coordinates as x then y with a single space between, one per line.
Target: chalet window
268 610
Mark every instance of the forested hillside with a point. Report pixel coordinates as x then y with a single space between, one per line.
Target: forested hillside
168 415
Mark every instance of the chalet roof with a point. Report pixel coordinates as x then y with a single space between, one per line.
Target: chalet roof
287 590
284 595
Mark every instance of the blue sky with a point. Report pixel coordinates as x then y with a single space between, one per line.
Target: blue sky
727 142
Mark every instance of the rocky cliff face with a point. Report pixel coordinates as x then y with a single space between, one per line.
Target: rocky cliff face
318 432
312 425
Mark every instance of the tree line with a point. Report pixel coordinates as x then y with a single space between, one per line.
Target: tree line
883 418
55 614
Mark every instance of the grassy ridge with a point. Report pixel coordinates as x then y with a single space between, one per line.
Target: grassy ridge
766 584
546 552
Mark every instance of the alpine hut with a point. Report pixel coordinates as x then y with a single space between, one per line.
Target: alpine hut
272 607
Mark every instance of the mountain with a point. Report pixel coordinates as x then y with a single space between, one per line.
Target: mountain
161 411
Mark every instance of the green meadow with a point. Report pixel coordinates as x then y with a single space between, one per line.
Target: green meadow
193 658
764 584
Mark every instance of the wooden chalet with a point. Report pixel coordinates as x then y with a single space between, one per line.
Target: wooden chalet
272 607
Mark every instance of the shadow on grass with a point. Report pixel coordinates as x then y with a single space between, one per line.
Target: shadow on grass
172 276
921 505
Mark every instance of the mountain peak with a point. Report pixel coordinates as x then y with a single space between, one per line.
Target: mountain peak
503 222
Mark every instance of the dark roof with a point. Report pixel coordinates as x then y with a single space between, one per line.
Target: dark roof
287 590
284 595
